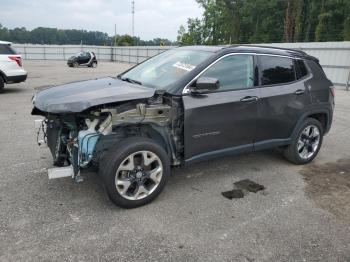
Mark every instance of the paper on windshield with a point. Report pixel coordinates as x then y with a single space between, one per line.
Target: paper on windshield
184 66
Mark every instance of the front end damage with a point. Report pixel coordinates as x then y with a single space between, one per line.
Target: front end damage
80 140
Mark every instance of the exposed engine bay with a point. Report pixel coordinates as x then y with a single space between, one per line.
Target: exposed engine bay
80 140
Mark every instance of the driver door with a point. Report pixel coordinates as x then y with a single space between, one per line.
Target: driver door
84 58
223 121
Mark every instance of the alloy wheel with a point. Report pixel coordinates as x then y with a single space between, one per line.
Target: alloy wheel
138 175
308 142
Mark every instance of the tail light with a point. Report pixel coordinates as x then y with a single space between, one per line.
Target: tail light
332 89
17 59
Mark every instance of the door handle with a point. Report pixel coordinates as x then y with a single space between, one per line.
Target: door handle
299 92
250 99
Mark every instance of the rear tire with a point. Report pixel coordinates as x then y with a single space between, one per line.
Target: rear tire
307 143
134 171
2 84
94 64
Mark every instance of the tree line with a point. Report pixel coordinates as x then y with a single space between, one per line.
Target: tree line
267 21
44 35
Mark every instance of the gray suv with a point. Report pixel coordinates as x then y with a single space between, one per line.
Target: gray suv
183 106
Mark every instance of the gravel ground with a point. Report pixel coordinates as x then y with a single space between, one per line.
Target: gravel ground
302 215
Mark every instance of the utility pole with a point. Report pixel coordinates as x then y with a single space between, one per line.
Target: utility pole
115 34
133 17
81 40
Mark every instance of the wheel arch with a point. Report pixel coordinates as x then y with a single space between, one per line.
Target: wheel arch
156 133
322 115
3 76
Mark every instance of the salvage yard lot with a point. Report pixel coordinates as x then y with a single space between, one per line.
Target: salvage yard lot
302 215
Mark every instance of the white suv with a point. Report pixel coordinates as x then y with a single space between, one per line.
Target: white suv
11 70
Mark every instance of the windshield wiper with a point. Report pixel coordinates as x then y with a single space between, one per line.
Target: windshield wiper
127 79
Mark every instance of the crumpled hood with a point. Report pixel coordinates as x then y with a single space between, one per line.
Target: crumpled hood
79 96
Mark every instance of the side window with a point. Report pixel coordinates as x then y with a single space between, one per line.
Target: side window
276 70
233 72
5 49
301 68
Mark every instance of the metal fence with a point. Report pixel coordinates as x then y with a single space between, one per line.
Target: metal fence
334 56
108 53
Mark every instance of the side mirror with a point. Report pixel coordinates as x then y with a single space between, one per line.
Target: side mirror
205 84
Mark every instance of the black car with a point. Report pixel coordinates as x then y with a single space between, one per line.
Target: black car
83 59
183 106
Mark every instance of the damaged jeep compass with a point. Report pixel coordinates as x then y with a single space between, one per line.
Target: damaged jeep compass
185 105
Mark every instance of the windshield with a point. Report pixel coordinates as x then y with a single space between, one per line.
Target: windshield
164 69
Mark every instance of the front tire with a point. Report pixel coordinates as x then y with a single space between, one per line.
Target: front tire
75 64
306 145
2 84
135 171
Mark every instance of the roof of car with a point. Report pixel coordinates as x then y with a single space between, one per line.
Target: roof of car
252 49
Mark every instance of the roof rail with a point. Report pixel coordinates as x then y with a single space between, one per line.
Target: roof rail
270 47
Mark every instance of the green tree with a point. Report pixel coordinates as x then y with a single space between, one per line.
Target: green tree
347 29
125 40
261 21
321 28
258 25
44 35
194 34
4 33
181 34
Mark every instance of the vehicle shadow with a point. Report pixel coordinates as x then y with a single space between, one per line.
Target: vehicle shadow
9 90
247 160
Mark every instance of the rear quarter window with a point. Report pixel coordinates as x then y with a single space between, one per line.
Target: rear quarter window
276 70
301 68
6 50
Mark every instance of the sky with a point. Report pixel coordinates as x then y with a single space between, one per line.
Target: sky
153 18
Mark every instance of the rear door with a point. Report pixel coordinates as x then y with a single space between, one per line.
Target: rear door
283 98
223 121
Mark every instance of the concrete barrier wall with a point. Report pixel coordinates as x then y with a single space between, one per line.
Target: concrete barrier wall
106 53
334 56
